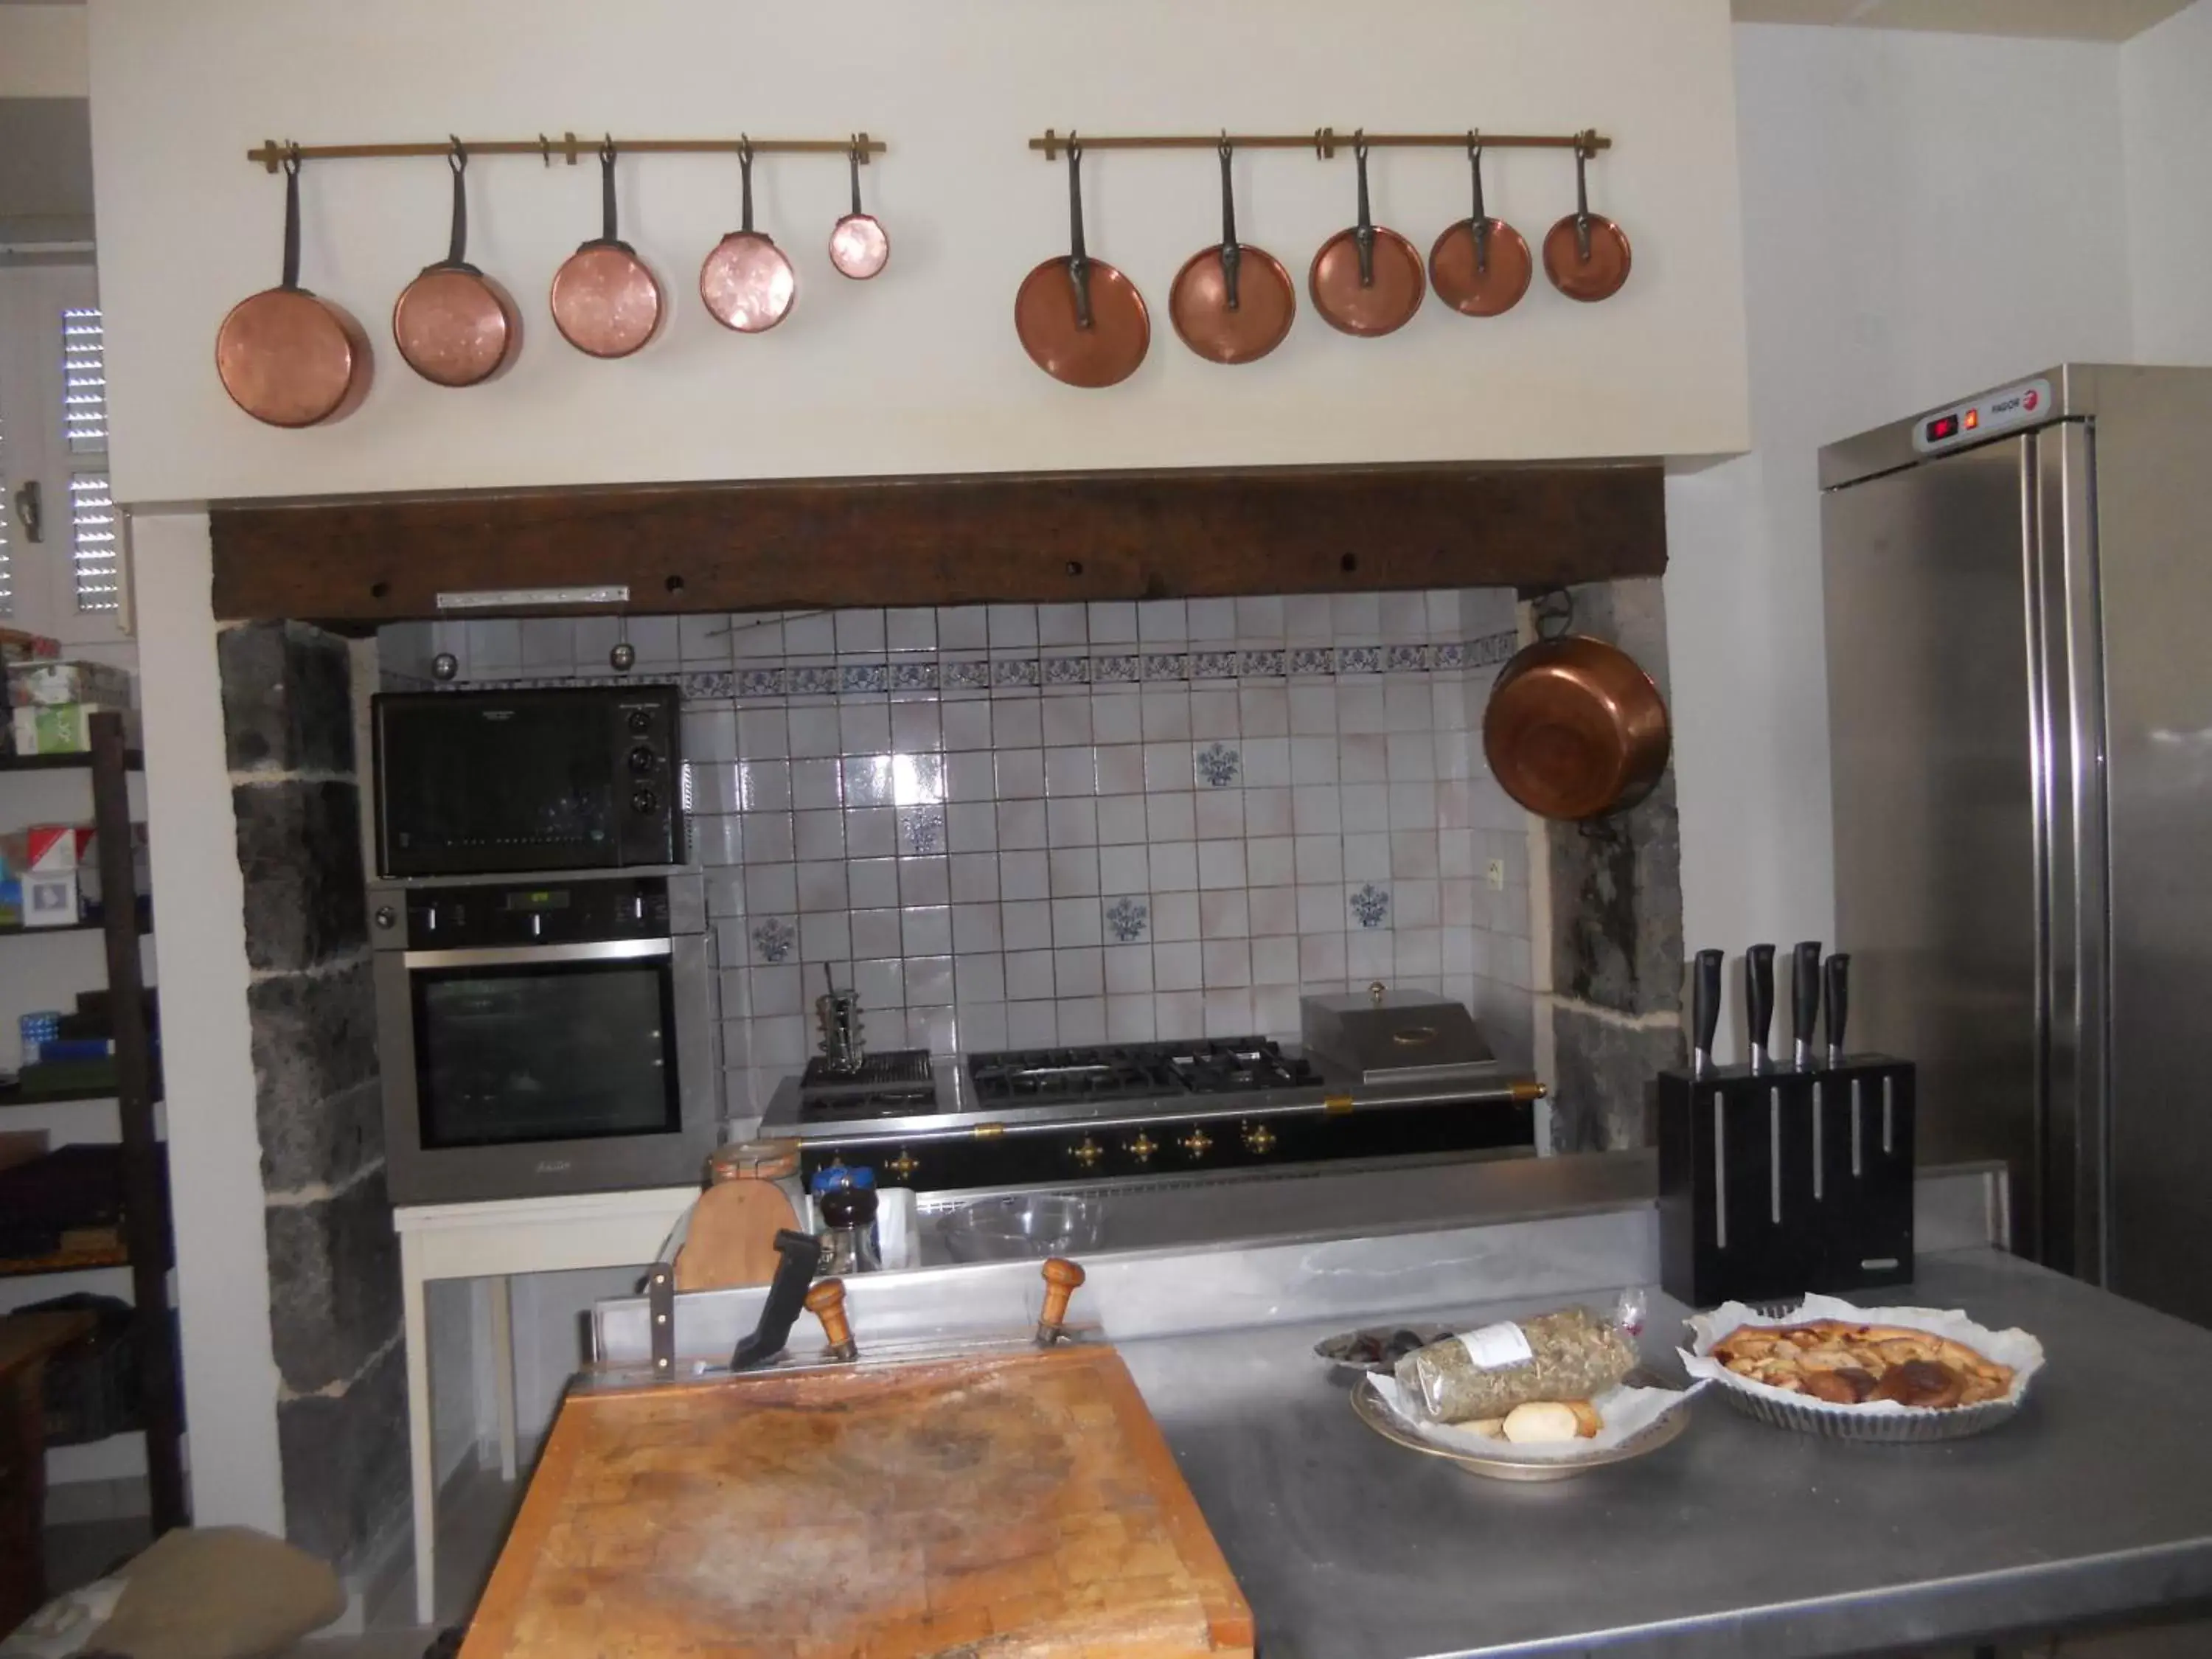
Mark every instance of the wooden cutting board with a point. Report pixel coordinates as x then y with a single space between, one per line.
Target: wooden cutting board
1017 1507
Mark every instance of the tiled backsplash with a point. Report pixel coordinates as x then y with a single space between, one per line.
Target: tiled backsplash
1028 824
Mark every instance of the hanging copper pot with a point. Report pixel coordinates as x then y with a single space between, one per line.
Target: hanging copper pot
747 282
1479 266
286 355
1574 729
1081 321
606 302
1232 303
1366 280
455 326
1586 255
859 245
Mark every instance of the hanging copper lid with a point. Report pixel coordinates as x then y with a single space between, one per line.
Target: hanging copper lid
287 356
606 302
1081 321
455 326
1585 254
1232 303
859 246
1366 280
747 283
1481 265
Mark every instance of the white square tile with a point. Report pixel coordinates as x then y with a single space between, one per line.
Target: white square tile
762 734
1129 1019
916 729
867 780
1366 808
756 636
1212 622
814 730
714 786
1166 714
913 629
1117 717
1167 767
1419 951
1017 723
1267 762
1174 866
809 634
1061 624
1178 967
963 627
880 984
971 775
917 780
872 884
822 885
1120 768
1078 972
1028 976
1121 819
1013 626
971 826
1220 814
1413 853
876 932
1071 771
711 734
967 725
494 643
1271 860
1213 713
871 832
718 839
549 642
1260 620
1220 864
654 639
1307 619
974 878
979 976
1081 1019
1457 901
1128 968
1072 821
817 783
1020 775
767 838
1414 804
1448 709
1225 963
1275 1011
726 893
764 785
1317 809
824 936
1274 913
1312 710
926 930
1267 812
1074 873
924 881
1174 917
1026 925
1163 622
1065 720
1032 1025
863 728
859 630
1313 760
1405 615
819 835
1442 608
1024 875
1368 954
976 928
1077 921
1356 616
1322 909
928 982
771 889
1228 1013
1415 904
1366 857
1321 957
1224 915
1458 950
774 989
982 1024
1413 756
1171 817
1113 622
595 637
1409 704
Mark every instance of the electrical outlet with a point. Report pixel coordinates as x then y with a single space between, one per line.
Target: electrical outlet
1494 873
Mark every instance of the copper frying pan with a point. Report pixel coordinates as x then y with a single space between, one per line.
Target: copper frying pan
1233 303
455 326
605 301
1366 280
747 282
1481 265
859 245
1585 255
286 355
1574 729
1081 321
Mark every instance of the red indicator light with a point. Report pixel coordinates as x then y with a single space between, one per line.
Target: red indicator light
1942 427
1973 419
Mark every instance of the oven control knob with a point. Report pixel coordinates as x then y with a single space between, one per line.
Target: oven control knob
641 759
641 719
1142 1147
904 1164
387 916
1259 1139
1196 1143
1087 1153
644 799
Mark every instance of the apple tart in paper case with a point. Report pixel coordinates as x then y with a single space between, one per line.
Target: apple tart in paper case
1827 1354
1570 1354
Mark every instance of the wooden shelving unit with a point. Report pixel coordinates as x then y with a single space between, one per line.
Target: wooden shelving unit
146 1245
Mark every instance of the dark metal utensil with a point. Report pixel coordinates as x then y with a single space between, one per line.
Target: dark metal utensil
799 1257
1479 266
1804 1002
454 325
1839 976
1705 1010
1758 1002
1585 254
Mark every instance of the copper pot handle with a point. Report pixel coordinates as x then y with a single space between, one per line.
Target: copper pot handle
607 237
745 185
1582 197
291 283
1480 218
1078 260
1363 232
1232 256
457 249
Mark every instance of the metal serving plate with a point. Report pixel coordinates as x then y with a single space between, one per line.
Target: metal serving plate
1370 1410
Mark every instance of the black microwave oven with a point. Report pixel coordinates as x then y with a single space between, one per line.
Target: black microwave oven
494 782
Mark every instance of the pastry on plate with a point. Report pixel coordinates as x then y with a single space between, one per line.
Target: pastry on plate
1845 1363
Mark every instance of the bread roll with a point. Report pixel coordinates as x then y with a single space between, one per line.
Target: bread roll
1542 1423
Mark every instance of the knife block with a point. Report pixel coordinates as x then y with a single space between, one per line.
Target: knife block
1774 1183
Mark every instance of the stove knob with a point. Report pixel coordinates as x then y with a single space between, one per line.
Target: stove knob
643 799
641 759
1142 1147
1087 1153
1197 1144
1259 1139
904 1164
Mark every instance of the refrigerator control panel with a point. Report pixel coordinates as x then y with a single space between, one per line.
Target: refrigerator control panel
1997 411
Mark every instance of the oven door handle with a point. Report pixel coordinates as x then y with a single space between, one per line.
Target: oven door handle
524 956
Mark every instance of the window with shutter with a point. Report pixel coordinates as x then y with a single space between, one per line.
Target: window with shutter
96 574
7 511
84 382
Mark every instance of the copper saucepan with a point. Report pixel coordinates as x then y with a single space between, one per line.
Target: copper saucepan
606 302
859 245
1574 729
455 326
1366 280
1481 265
1585 254
287 356
1232 303
1081 321
747 282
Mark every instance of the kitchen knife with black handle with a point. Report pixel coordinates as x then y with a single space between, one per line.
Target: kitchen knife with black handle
1705 1010
1759 1001
1804 1002
1839 987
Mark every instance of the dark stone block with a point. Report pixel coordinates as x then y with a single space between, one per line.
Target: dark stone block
333 1282
1603 1076
345 1456
314 1070
298 845
320 1143
287 699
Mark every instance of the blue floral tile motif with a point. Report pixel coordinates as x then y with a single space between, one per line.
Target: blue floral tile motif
914 676
1313 659
921 828
972 674
1167 665
1452 654
1213 665
1263 663
1491 649
860 677
1402 659
774 939
1370 905
717 682
1066 671
1360 659
1126 919
1015 671
761 682
1218 766
820 681
1113 671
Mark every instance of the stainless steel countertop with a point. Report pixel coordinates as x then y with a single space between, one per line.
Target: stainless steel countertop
1738 1541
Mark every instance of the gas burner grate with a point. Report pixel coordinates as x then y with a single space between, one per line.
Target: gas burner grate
1135 1071
896 1073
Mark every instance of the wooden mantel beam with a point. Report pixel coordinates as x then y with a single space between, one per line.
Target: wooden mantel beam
945 540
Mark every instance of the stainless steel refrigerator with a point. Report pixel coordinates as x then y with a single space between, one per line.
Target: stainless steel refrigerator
2019 607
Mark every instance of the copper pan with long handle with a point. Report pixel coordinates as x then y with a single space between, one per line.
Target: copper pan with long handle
859 246
455 326
606 300
1586 255
1480 267
1575 729
1232 303
1080 320
1366 280
287 355
747 283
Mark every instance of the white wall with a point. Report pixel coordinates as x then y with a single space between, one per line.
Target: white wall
919 370
1924 215
2166 90
42 53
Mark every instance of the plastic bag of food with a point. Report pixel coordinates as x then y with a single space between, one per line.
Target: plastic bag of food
1571 1354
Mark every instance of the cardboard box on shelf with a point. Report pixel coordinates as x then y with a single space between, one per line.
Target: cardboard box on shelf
35 685
52 901
65 728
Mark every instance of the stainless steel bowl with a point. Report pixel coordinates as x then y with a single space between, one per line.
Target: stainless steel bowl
1023 1226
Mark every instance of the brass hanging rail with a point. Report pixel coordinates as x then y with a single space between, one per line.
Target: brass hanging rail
572 147
1324 141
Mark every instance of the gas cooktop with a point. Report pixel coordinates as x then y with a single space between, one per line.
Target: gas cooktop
1135 1071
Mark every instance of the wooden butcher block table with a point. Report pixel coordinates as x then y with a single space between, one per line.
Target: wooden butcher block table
1015 1506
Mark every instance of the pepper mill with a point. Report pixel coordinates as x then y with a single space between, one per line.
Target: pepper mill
826 1300
1060 1279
